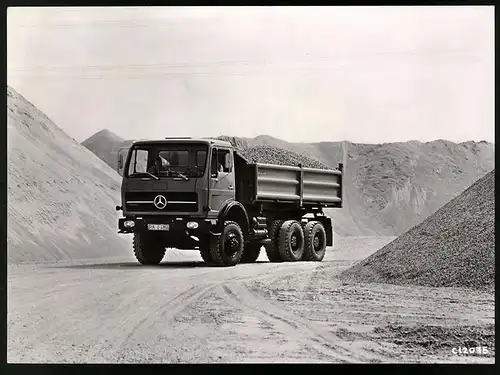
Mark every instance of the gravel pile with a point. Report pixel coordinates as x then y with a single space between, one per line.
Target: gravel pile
455 247
438 338
273 155
267 154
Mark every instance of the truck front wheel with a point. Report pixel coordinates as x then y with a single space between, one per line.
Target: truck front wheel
251 252
315 241
149 249
227 249
291 241
205 253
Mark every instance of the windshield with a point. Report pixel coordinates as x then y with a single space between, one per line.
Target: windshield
167 160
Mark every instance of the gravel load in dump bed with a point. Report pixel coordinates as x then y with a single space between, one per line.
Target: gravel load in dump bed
455 247
274 155
267 154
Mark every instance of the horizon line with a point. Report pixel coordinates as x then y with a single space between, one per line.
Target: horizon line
298 142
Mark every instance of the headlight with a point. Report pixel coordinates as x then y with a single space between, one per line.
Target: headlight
192 225
129 224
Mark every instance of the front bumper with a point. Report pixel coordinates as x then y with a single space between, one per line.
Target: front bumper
177 236
176 225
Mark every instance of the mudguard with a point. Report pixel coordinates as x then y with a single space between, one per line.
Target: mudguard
225 211
327 224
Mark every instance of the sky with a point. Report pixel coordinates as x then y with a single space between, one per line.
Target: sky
301 74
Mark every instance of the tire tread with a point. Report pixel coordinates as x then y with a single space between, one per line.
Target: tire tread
284 246
251 253
309 254
216 250
272 249
146 251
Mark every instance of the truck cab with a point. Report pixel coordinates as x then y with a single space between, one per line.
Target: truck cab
196 177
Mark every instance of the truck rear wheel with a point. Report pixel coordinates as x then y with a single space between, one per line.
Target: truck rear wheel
314 241
149 249
272 249
251 252
291 241
227 249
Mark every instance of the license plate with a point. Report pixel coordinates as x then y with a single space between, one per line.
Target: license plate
158 227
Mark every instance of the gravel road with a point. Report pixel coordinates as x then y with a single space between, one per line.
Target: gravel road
182 311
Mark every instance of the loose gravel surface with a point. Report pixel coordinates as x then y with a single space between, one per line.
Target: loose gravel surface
454 247
182 311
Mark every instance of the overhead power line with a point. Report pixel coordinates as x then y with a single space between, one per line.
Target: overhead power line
121 23
115 67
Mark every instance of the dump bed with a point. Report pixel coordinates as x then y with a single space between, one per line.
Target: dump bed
304 186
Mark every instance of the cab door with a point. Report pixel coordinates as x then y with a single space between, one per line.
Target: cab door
221 178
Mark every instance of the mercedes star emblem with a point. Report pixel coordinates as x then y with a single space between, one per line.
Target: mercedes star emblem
160 202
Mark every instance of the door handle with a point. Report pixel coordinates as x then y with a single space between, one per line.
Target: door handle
230 187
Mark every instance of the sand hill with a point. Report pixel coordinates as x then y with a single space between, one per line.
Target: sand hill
454 247
61 197
106 145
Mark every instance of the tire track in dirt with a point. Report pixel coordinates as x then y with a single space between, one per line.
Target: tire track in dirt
139 322
275 324
293 325
167 311
287 327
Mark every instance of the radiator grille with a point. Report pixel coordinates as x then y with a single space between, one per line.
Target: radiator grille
176 201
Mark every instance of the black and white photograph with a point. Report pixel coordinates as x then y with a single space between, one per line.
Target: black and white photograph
251 184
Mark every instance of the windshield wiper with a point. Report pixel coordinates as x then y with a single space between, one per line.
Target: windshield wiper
152 175
181 175
149 174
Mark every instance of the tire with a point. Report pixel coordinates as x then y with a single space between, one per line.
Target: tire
221 252
291 241
251 252
272 250
205 254
314 241
148 249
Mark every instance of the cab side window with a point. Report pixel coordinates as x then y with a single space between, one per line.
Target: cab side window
214 163
219 164
222 156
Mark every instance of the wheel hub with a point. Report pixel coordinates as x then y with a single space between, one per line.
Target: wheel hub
316 242
232 243
293 241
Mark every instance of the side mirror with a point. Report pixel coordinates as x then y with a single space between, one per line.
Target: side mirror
121 155
227 162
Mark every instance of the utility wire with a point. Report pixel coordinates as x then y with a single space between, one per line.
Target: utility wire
247 63
100 23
